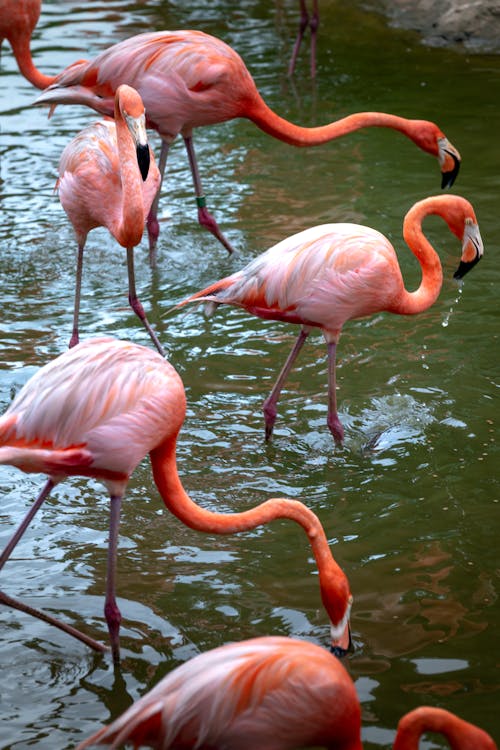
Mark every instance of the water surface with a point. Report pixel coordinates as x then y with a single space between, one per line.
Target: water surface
410 504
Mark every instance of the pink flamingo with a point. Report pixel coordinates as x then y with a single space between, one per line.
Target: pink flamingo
313 22
96 411
188 79
108 178
269 693
18 18
328 274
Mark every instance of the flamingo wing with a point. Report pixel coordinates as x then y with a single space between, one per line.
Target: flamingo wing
112 399
321 277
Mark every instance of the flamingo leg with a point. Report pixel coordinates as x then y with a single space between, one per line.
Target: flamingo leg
152 223
313 25
111 610
45 492
135 302
15 603
204 217
304 20
78 292
269 405
9 601
333 420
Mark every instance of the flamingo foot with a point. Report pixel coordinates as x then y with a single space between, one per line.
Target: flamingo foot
335 427
270 413
113 619
207 220
74 340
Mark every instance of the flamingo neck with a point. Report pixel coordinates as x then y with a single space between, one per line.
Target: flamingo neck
131 217
333 582
410 303
295 135
22 53
459 733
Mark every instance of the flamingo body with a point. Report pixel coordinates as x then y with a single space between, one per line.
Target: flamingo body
108 177
332 273
97 411
188 79
269 693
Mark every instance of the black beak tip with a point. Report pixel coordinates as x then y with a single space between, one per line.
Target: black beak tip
464 267
338 651
448 178
143 160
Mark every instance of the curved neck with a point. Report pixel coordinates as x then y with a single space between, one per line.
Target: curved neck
131 218
410 303
459 733
333 582
22 53
295 135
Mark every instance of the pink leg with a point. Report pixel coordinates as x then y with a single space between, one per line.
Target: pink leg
269 406
204 217
304 20
135 302
313 25
78 292
152 224
333 420
46 490
15 603
9 601
111 611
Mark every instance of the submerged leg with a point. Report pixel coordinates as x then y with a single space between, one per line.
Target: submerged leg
333 420
78 292
313 25
111 611
269 406
204 217
45 492
15 603
152 224
135 302
304 20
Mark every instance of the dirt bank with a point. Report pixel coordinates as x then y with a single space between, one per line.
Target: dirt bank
475 26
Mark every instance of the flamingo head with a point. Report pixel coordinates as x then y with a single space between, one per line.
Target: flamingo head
340 634
449 161
129 103
427 136
472 248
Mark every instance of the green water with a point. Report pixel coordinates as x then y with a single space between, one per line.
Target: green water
412 520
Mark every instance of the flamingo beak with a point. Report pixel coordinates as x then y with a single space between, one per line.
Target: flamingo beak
143 159
449 177
472 249
339 647
449 161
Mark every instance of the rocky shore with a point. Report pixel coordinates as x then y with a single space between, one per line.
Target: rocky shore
475 26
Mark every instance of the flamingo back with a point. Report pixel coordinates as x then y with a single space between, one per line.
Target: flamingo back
185 78
320 277
270 693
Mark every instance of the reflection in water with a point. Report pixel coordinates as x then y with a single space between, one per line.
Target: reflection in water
422 609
